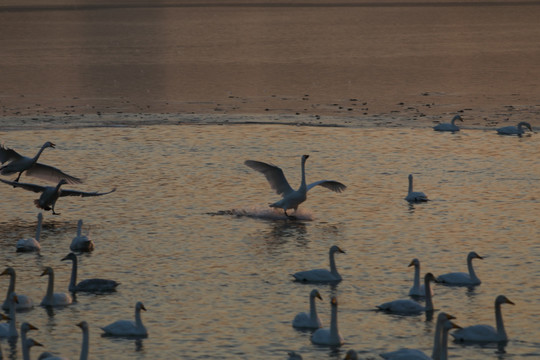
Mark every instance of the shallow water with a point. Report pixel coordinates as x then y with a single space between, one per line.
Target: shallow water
188 232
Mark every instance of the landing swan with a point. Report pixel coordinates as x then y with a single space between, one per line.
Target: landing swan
414 196
31 244
51 298
126 327
329 336
486 333
515 130
291 198
88 285
50 194
410 307
417 290
24 302
448 126
322 275
461 278
81 242
84 348
309 321
9 330
19 164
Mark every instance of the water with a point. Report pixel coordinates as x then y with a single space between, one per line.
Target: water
188 232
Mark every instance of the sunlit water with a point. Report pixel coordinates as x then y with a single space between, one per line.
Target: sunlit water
189 233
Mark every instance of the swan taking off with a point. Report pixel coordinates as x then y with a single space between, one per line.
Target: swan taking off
329 336
19 164
417 290
23 301
410 307
50 194
515 130
309 321
461 278
414 196
31 244
322 275
88 285
486 333
81 242
448 126
291 198
127 327
51 298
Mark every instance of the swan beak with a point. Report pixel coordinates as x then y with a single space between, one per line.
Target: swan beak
53 145
450 317
341 251
5 317
143 308
456 326
5 272
32 327
411 264
45 272
508 301
37 344
318 296
65 258
479 257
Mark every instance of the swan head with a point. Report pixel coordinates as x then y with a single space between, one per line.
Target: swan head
474 255
335 249
414 262
315 294
444 316
140 306
49 144
48 271
25 327
448 325
83 325
457 117
501 299
62 182
31 342
430 277
70 256
526 124
8 271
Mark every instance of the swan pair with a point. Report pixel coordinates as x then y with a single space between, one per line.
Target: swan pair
448 126
329 336
88 285
128 328
515 130
23 302
322 275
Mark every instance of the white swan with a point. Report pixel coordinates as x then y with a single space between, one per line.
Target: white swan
50 194
9 330
26 345
51 298
322 275
81 242
311 320
414 196
410 307
486 333
31 244
291 198
23 301
417 290
84 348
128 327
329 336
88 285
19 163
461 278
515 130
448 126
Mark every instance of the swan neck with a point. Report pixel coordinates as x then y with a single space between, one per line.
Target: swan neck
472 274
410 185
312 308
501 332
443 348
429 300
138 320
437 341
12 325
334 332
50 286
73 279
79 228
11 287
303 167
85 345
35 159
333 268
38 228
416 283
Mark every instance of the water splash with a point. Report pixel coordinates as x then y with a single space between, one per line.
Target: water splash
265 213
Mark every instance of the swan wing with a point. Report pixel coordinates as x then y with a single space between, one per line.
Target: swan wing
51 173
329 184
66 192
7 154
26 186
273 174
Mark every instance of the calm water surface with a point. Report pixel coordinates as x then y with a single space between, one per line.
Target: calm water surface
218 285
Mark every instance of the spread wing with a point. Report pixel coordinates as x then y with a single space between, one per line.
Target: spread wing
8 154
66 192
329 184
273 174
51 173
26 186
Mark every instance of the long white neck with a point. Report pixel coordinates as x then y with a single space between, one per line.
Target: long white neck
85 344
138 320
79 227
12 312
501 332
73 279
35 158
38 228
410 184
312 308
25 349
429 301
472 274
333 268
303 185
437 340
334 332
416 283
11 287
443 355
50 286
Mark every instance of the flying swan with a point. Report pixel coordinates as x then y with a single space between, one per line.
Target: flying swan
309 321
448 126
417 290
81 242
329 336
514 130
322 275
88 285
31 244
51 298
410 307
127 327
23 301
414 196
291 198
461 278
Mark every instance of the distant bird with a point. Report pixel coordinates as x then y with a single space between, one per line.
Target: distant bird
23 301
417 290
408 306
329 336
31 244
309 320
291 198
515 130
414 196
322 275
50 194
461 278
448 126
51 298
81 242
19 164
88 285
128 328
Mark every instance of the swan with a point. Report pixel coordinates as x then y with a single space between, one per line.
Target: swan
31 244
88 285
84 348
50 194
514 130
417 290
51 298
461 278
329 336
128 327
311 320
19 164
486 333
81 242
414 196
291 198
24 302
322 275
448 126
26 345
25 327
9 330
410 307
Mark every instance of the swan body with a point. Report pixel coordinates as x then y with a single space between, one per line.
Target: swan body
23 301
417 290
322 275
486 333
414 196
309 321
9 330
51 298
291 199
451 126
50 194
329 336
31 244
88 285
126 327
81 242
461 278
515 130
410 307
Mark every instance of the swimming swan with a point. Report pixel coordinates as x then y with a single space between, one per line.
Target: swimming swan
51 298
19 164
9 330
50 194
448 126
31 244
486 333
84 348
24 302
514 130
88 285
127 327
291 198
417 290
414 196
461 278
329 336
322 275
309 321
81 242
410 307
